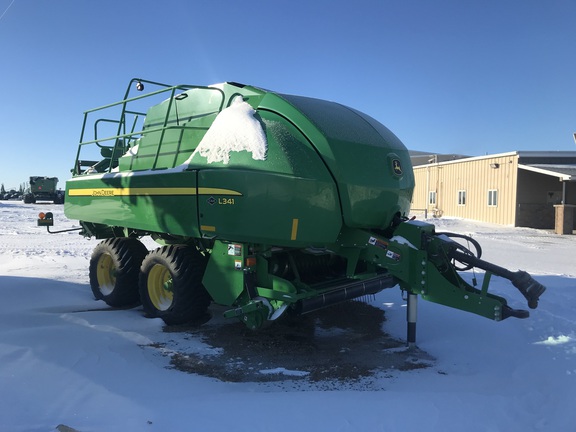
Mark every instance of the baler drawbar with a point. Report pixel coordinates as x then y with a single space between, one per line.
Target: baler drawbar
266 203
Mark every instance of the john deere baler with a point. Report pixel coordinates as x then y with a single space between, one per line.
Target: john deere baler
263 202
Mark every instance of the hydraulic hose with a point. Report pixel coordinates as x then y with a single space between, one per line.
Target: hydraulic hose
465 250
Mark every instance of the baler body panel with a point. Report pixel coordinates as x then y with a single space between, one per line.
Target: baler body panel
283 211
289 199
376 181
138 201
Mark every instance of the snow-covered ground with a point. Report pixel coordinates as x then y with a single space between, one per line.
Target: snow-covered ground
64 362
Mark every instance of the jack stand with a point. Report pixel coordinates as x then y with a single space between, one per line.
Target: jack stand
411 313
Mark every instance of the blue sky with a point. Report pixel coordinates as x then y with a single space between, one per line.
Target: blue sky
446 76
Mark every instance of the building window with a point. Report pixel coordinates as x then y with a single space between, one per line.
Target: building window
432 198
492 198
461 197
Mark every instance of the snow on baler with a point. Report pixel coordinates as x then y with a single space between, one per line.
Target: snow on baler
266 203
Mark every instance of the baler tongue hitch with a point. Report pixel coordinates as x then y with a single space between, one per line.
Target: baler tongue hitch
508 312
530 288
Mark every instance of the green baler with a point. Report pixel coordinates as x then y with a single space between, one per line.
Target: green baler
262 202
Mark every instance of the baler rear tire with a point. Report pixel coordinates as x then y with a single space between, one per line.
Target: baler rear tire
114 269
171 285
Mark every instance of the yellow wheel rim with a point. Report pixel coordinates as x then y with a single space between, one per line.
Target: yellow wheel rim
106 274
160 287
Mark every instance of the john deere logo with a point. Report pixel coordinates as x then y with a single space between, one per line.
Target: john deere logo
396 167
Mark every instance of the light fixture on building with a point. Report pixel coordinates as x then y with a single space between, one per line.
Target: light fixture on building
494 165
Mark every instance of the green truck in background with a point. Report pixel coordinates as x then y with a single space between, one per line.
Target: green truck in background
43 189
266 203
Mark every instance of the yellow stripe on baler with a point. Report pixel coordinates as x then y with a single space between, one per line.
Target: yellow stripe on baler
108 192
294 229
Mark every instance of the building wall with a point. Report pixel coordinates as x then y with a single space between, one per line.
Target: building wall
473 177
571 199
537 194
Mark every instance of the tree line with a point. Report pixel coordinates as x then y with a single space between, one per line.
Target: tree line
21 189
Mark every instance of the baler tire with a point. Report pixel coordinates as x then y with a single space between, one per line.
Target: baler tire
114 269
171 285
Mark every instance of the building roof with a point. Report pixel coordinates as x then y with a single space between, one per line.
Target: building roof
561 164
565 172
424 158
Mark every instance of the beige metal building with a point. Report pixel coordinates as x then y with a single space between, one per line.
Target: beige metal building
530 189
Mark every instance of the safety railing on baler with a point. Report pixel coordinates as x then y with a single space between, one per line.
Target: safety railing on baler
124 139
